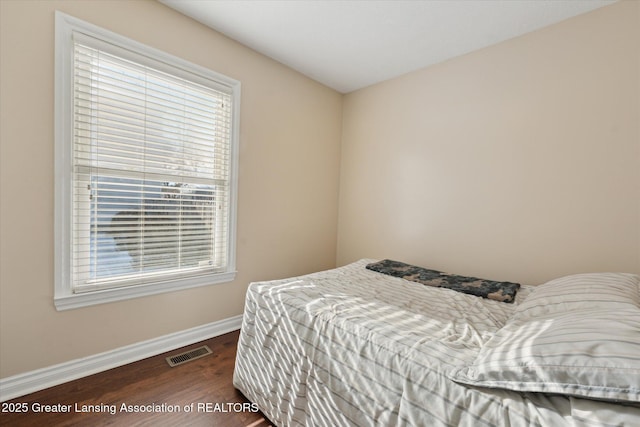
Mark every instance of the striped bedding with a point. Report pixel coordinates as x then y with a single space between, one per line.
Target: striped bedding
352 347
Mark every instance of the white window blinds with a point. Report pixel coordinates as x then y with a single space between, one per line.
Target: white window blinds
151 169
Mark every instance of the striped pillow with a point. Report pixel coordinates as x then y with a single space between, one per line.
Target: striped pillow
589 350
582 291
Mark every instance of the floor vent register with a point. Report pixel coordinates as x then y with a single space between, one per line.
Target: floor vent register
188 356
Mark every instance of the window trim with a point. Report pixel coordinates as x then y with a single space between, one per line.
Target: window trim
64 297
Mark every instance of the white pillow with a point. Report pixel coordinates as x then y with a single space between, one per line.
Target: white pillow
582 291
580 346
593 354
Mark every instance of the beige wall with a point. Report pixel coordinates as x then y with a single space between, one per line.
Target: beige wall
288 177
520 161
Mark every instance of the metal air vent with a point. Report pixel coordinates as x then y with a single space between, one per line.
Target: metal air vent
185 357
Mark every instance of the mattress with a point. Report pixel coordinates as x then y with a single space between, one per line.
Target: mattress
353 347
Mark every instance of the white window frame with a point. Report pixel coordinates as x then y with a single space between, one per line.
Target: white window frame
64 297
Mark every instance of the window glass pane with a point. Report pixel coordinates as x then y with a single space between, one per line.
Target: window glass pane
154 150
140 226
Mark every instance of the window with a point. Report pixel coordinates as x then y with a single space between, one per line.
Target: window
146 161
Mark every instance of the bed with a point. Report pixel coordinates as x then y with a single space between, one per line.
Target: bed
356 347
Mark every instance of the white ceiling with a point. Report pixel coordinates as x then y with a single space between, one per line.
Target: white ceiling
351 44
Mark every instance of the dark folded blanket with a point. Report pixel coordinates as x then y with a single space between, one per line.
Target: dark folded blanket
498 291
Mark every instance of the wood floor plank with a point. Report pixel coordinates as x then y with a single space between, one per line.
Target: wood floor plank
203 384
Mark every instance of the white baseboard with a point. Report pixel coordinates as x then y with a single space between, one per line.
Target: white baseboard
29 382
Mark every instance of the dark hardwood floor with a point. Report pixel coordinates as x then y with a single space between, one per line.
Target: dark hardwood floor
203 384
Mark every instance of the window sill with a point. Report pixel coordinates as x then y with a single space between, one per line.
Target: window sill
70 301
